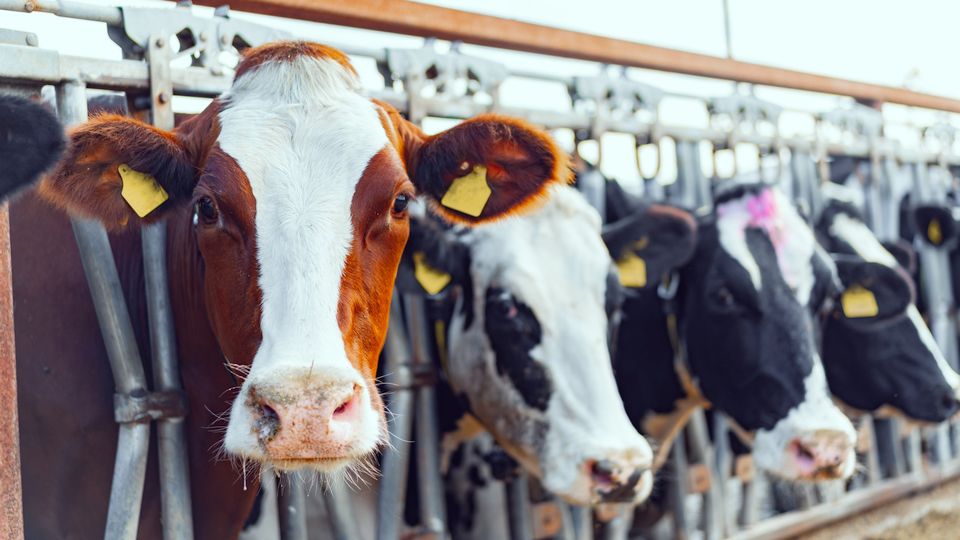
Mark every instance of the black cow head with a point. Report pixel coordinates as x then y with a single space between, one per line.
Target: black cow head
877 350
31 140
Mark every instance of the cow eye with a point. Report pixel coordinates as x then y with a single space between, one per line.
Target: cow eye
205 210
400 203
725 298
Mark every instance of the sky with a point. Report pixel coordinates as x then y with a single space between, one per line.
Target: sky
889 42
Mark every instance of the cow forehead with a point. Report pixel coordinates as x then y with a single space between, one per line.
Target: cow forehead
303 137
553 255
770 211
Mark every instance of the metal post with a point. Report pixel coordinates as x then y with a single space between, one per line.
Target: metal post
171 436
337 503
400 404
98 264
582 522
430 484
677 490
518 508
291 505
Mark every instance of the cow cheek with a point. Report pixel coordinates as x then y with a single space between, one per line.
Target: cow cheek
233 306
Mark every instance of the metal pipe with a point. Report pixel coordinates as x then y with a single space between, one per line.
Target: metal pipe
518 508
66 8
429 481
11 492
339 512
582 522
291 506
171 436
396 457
96 255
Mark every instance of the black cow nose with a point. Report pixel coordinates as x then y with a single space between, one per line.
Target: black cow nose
949 403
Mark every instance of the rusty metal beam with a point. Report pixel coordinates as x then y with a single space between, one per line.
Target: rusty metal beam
405 17
11 511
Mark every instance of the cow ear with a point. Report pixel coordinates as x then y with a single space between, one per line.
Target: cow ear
904 254
935 224
872 290
484 168
31 140
433 260
118 169
652 241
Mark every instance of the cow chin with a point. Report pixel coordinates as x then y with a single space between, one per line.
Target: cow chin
290 418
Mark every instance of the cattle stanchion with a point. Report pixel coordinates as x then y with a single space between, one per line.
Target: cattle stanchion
291 507
429 481
518 508
396 457
171 436
337 503
131 393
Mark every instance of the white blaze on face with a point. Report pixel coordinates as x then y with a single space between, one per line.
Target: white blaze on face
554 261
861 239
795 246
303 135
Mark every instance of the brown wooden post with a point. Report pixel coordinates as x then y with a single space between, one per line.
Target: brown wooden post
11 510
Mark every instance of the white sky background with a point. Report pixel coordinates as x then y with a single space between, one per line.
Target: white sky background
888 42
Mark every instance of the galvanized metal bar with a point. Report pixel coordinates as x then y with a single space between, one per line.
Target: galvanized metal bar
677 489
518 509
618 528
291 506
337 502
65 8
11 489
582 517
396 458
175 499
111 308
429 481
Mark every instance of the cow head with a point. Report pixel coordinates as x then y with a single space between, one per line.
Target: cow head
293 191
750 338
31 140
528 347
877 350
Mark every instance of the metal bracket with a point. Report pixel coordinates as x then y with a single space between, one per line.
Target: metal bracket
201 38
745 114
616 99
454 76
141 406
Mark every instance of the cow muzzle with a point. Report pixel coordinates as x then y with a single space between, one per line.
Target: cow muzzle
819 455
301 418
612 482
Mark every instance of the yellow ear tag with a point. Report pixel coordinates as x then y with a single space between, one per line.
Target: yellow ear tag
468 194
141 191
859 303
934 234
431 279
633 271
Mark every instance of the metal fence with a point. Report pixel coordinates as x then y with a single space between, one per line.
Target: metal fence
714 493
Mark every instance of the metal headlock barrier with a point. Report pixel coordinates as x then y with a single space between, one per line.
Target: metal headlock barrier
712 491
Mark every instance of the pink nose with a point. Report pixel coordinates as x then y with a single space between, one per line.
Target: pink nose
820 455
309 426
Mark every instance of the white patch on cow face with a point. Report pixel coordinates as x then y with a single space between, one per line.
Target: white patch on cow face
858 236
816 414
303 136
554 261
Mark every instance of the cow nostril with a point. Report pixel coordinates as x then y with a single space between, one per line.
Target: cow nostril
949 402
602 472
268 425
347 404
268 414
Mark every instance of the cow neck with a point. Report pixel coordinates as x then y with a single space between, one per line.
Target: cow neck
664 428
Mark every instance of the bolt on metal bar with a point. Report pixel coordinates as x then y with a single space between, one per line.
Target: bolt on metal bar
396 457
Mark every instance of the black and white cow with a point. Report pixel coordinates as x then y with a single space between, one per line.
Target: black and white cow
527 347
877 350
743 311
31 140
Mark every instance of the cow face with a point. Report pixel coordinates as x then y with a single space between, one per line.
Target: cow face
749 334
293 190
877 350
528 349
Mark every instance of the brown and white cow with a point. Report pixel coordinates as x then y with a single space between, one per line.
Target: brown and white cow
287 217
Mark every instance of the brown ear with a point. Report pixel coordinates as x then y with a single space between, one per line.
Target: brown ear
87 181
514 160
